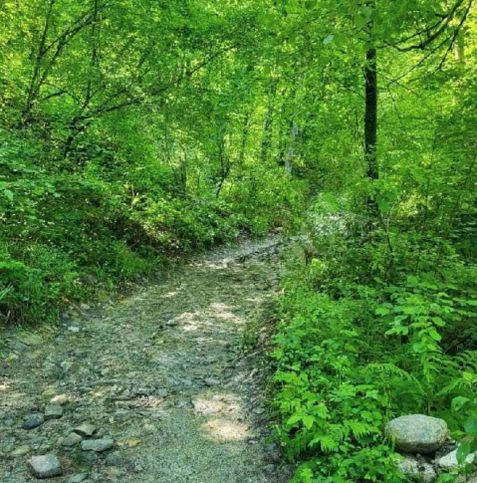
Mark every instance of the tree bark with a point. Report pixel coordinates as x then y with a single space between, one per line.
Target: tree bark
371 114
268 125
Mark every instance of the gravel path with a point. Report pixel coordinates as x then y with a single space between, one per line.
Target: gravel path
162 374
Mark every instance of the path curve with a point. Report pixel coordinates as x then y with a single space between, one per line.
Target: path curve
161 372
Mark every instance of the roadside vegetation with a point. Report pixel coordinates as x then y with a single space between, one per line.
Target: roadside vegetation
133 131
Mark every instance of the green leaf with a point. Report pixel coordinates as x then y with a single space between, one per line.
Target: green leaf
459 402
435 335
470 426
308 421
412 281
8 194
382 310
438 321
463 451
293 419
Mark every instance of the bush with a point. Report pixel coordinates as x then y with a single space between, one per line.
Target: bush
361 342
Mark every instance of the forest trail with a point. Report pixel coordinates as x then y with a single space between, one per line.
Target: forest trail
162 373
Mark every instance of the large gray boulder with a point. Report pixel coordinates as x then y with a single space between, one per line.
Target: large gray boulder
417 433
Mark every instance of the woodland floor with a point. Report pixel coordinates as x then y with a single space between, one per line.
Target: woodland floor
163 372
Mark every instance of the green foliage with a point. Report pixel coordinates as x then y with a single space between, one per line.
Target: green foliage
350 355
130 131
120 146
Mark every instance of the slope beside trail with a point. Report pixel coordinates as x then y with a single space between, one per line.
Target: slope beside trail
162 373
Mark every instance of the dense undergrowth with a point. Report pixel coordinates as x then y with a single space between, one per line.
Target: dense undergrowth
67 236
127 134
367 335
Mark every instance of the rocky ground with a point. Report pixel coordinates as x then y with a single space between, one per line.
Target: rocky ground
156 387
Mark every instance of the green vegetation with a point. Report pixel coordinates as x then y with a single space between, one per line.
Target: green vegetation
378 317
129 133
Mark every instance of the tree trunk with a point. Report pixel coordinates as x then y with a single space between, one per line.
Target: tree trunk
294 132
371 114
268 125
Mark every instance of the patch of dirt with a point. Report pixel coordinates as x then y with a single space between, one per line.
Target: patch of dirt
162 373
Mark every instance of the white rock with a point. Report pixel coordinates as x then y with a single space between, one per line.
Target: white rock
71 440
53 411
411 466
60 399
87 430
21 451
45 466
417 433
97 445
78 478
449 461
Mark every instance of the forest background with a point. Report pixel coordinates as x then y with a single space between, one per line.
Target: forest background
131 132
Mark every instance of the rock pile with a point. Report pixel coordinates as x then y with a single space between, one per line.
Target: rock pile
46 466
426 446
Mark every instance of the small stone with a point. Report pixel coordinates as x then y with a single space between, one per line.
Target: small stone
20 451
449 461
97 445
78 478
71 440
88 458
48 392
84 307
143 391
203 408
131 442
210 381
171 322
417 468
53 411
183 404
33 421
45 466
86 429
37 441
114 459
114 472
149 428
417 433
60 399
